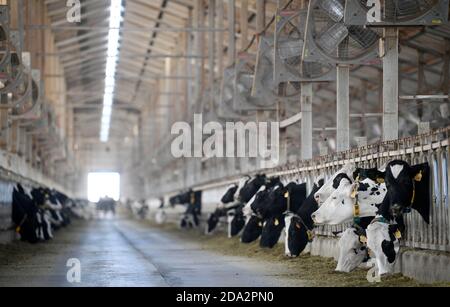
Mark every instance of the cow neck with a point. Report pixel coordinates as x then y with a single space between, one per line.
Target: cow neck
356 208
287 195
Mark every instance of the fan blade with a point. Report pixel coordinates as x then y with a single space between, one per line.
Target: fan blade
363 36
407 7
333 8
290 49
330 40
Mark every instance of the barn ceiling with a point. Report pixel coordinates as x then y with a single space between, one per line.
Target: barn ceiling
152 30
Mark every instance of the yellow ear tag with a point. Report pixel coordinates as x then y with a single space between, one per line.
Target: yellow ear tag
363 239
298 226
418 177
354 193
260 224
286 195
398 234
310 235
18 229
380 180
276 222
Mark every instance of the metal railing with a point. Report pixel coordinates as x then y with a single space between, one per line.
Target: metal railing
432 148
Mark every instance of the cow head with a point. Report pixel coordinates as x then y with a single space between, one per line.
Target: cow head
352 250
252 229
407 187
271 231
251 187
297 235
299 226
212 222
383 241
236 221
228 197
327 188
340 206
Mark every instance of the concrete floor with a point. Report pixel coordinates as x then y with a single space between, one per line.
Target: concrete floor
125 253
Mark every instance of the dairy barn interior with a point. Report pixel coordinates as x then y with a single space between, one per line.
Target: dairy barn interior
224 143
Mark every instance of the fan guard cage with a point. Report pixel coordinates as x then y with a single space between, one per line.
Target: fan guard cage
336 41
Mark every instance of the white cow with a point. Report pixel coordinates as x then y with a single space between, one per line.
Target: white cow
325 191
339 207
383 241
347 202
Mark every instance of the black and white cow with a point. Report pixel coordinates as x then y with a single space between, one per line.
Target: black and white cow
255 210
354 199
236 217
190 218
222 209
407 187
299 225
364 194
328 187
281 201
24 215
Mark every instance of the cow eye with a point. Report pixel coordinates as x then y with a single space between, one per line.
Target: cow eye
334 197
363 248
356 251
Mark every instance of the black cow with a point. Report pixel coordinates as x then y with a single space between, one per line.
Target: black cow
236 217
407 187
190 218
299 225
24 215
221 211
280 202
260 209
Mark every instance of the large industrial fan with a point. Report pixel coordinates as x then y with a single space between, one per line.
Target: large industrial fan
264 84
396 12
5 49
328 38
227 97
288 47
243 84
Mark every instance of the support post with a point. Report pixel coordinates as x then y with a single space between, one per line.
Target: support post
220 38
211 49
343 108
260 25
231 32
199 50
390 84
307 128
231 163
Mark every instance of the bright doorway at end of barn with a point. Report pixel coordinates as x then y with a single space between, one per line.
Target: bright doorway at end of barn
101 184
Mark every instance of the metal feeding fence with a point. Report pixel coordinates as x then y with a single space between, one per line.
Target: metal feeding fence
432 148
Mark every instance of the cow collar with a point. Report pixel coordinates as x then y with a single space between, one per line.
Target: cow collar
287 195
416 178
356 209
19 227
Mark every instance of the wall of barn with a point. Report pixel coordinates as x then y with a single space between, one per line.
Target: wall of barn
51 161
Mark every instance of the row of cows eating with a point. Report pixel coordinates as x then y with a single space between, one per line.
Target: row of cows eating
38 212
373 201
